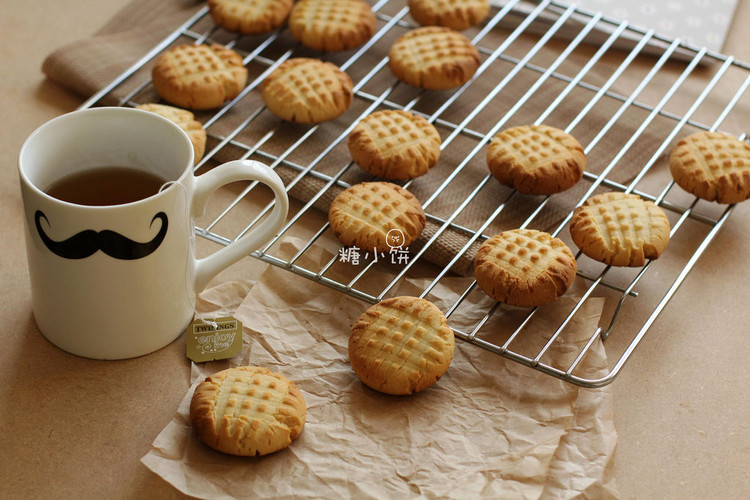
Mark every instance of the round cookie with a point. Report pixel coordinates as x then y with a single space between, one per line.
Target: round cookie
454 14
304 90
332 24
524 267
712 166
395 144
401 345
620 229
376 215
250 17
247 411
434 58
536 159
187 122
199 76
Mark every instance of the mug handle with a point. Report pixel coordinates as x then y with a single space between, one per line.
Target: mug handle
237 170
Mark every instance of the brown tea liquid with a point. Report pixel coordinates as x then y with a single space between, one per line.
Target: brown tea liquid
100 186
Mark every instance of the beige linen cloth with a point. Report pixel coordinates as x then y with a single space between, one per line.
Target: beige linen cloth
490 428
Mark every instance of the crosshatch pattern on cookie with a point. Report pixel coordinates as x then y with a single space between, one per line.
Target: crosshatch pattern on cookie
524 267
199 76
305 90
713 166
401 345
536 159
365 213
434 58
395 144
620 229
332 24
250 16
248 411
454 14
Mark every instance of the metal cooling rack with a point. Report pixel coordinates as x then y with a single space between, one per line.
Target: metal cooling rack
547 62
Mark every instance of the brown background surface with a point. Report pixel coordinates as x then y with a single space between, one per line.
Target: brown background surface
71 427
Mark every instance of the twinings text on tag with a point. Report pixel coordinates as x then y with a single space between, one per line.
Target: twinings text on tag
209 340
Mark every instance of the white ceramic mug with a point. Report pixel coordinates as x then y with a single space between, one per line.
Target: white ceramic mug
96 302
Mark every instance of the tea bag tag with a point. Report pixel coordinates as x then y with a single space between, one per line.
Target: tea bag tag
212 339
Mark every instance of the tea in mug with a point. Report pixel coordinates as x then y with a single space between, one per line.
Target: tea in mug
110 185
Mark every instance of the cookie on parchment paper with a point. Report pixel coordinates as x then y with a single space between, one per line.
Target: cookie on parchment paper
187 122
620 229
401 345
454 14
199 76
332 24
305 90
395 144
524 267
434 58
376 216
536 159
713 166
250 17
247 411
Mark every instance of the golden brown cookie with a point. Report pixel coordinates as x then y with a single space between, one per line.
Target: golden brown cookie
250 16
401 345
620 229
434 58
713 166
524 267
187 122
304 90
199 76
454 14
248 411
376 215
536 159
395 144
332 24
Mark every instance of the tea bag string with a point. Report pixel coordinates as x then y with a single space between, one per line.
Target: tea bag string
191 292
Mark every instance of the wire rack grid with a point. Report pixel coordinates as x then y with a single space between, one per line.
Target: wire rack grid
626 93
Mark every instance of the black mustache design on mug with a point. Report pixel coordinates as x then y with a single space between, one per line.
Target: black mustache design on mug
88 242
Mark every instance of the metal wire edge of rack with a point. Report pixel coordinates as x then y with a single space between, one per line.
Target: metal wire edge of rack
563 13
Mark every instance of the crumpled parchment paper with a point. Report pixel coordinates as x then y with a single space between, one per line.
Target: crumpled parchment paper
490 428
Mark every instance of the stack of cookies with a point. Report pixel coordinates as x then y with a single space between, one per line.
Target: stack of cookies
403 345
